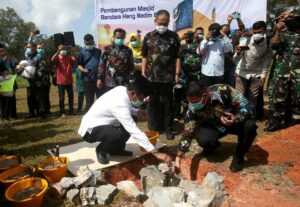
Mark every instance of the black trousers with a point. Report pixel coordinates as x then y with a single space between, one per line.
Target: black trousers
160 107
80 100
229 75
36 100
179 96
207 136
111 138
61 91
211 80
47 103
90 90
5 107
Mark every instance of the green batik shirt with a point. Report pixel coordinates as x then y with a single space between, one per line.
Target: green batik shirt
288 54
191 61
223 98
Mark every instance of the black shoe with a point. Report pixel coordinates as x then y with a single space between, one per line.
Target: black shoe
170 135
274 124
294 122
30 116
101 156
236 164
121 153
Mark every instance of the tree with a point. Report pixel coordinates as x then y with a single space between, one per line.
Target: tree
14 32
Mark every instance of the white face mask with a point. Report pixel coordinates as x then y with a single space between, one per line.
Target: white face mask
63 52
161 29
201 36
89 47
257 37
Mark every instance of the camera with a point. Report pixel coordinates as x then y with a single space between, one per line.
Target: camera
236 15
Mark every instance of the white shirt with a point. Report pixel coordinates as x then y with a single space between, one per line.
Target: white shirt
114 108
213 54
255 62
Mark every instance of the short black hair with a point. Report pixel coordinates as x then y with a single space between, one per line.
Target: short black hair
199 28
140 85
33 44
260 25
223 25
163 12
88 37
214 27
2 45
120 30
195 88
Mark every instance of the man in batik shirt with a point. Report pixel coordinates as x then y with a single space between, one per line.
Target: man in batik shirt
214 112
116 63
285 84
161 65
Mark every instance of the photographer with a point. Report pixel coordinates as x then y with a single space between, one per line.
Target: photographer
64 78
285 90
253 63
213 50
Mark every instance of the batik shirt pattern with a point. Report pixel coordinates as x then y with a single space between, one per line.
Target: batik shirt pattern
223 98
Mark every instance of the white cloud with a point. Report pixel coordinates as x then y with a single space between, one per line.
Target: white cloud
53 15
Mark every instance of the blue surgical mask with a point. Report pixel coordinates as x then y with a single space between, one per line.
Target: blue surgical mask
28 51
136 104
40 51
258 37
134 43
89 47
119 42
196 106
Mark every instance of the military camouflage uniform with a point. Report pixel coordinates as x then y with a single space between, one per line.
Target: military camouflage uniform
285 83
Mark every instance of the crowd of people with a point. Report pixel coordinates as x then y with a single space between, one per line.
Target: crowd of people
212 79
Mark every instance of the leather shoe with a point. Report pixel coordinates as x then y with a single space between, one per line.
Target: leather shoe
101 156
170 135
121 153
236 164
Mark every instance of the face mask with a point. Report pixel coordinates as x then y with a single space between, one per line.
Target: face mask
258 37
196 106
89 47
161 29
28 51
40 51
136 104
63 52
119 42
134 43
201 36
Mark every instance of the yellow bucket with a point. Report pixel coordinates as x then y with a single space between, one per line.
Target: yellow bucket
54 175
4 175
11 158
34 201
152 136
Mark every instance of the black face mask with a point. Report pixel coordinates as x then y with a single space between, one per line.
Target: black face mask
189 40
292 23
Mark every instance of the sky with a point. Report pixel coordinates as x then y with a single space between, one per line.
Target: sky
57 16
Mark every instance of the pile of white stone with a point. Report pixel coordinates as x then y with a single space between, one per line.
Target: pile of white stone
161 188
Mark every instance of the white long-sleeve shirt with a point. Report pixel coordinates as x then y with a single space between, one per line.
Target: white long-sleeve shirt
254 62
213 54
114 108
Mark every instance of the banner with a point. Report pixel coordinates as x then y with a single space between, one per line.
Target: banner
134 15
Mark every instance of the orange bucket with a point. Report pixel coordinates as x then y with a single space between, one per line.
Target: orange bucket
34 201
54 175
4 175
152 136
13 159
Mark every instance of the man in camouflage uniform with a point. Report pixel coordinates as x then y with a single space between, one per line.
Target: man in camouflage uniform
191 69
285 90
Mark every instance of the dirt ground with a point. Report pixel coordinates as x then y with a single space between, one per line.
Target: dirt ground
271 176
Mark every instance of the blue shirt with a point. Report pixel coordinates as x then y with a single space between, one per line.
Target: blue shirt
213 54
92 64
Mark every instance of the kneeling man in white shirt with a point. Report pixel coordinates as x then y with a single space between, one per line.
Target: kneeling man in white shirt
109 121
